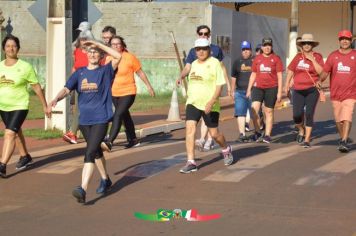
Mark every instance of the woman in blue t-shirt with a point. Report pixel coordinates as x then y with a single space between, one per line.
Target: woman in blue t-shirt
93 84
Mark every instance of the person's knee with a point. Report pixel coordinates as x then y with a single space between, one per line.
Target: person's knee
190 128
9 134
268 111
90 156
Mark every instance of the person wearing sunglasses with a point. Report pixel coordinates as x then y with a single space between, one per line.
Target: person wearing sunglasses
93 84
206 79
341 67
305 69
265 86
203 31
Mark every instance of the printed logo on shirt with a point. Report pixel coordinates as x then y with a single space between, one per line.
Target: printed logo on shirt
265 69
245 68
193 76
5 81
88 87
302 65
343 69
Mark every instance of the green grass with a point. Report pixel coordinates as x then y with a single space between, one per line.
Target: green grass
147 103
40 133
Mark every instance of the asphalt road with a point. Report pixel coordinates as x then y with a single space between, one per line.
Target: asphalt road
273 189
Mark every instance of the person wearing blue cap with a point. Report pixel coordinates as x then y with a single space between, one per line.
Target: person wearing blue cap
240 75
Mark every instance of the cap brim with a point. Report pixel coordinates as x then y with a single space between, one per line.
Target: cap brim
313 42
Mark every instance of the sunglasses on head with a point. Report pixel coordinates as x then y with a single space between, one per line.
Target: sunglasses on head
201 48
203 33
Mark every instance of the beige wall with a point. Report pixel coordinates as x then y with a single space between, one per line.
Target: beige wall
144 26
323 20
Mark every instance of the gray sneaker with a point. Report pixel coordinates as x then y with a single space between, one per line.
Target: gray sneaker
199 144
209 145
228 157
189 167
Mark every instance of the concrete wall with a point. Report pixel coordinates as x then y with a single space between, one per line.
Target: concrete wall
323 20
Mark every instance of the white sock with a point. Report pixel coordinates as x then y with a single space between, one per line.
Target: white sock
192 162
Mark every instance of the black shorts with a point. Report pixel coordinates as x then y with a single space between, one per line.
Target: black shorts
13 120
268 96
211 119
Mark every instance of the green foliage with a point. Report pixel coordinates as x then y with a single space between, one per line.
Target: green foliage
40 133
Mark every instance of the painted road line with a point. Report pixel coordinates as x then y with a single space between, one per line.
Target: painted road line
328 174
247 166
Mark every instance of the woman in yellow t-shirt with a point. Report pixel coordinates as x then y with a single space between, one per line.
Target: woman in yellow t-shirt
124 93
15 75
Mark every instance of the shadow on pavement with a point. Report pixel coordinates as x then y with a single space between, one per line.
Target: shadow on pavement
44 160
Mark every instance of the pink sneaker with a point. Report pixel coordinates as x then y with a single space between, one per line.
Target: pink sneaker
70 138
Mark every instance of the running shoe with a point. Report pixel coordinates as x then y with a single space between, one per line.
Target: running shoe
133 143
306 145
343 147
104 186
2 170
79 193
243 139
227 155
24 162
106 146
300 139
199 144
70 138
256 137
247 127
267 139
263 125
209 145
188 168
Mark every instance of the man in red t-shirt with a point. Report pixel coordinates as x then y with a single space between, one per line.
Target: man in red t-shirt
341 65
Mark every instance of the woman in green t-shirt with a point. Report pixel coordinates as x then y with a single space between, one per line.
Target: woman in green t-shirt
15 75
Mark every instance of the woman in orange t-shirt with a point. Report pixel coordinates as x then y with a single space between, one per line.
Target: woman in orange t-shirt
124 93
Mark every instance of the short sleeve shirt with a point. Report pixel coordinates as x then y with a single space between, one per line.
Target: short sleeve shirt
266 69
124 83
215 52
13 85
203 79
301 67
342 69
94 94
241 70
80 58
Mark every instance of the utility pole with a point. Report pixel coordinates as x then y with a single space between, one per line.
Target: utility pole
293 31
58 58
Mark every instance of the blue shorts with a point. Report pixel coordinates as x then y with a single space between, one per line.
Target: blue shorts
242 103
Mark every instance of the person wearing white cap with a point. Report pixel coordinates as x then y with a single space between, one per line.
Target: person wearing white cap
203 32
84 25
342 69
206 79
304 69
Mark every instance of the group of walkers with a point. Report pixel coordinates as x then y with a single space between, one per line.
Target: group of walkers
103 78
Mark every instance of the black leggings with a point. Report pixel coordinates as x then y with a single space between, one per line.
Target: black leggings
122 114
308 98
13 120
93 135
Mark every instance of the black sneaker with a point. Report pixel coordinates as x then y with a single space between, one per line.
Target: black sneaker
267 139
24 162
343 147
189 167
106 146
2 170
306 145
256 137
133 143
104 186
79 193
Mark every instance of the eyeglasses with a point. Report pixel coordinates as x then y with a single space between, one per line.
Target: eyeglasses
306 43
204 33
202 48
